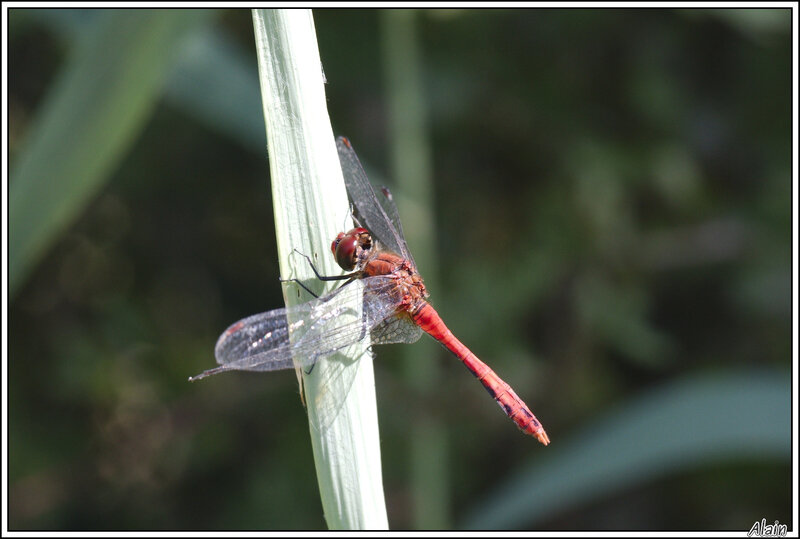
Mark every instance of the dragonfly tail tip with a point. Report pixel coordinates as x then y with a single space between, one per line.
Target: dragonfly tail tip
542 437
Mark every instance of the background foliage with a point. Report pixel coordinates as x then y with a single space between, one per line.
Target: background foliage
611 200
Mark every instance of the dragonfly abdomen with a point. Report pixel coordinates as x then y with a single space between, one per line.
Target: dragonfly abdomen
429 320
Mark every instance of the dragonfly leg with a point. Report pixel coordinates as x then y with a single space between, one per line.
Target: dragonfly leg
326 277
307 289
349 276
351 215
314 360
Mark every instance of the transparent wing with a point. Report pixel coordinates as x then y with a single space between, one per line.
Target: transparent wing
376 211
386 200
320 326
396 329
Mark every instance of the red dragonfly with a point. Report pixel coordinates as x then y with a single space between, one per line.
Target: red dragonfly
383 277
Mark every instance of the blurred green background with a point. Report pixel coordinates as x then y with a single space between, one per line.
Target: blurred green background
600 201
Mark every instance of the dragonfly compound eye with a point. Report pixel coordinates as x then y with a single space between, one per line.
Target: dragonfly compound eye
345 250
335 243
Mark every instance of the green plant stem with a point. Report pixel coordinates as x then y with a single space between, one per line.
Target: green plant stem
310 204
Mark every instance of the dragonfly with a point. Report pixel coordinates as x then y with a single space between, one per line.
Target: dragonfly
383 280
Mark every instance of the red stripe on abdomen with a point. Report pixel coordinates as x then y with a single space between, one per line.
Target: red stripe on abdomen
429 320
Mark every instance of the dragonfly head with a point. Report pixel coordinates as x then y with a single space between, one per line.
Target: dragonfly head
348 247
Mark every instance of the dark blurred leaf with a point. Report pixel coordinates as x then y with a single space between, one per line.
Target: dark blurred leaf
211 78
93 113
214 81
686 424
